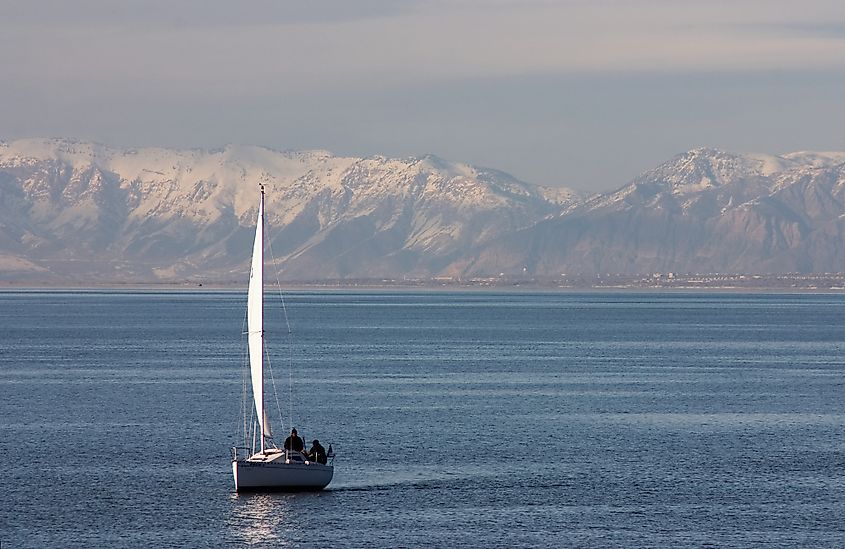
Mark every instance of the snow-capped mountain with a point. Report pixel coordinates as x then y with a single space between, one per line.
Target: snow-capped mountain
82 212
704 211
75 211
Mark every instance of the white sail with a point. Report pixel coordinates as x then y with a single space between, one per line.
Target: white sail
255 322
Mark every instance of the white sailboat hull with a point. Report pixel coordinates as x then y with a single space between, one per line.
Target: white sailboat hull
253 476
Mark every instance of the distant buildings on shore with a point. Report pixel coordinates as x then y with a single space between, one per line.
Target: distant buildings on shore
826 281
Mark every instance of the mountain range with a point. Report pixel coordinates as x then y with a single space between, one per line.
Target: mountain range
79 212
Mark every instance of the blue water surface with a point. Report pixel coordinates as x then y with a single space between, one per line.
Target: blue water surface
459 419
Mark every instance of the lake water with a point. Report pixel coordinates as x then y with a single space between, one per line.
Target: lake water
459 419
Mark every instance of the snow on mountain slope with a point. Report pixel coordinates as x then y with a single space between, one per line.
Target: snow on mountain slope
703 211
166 214
699 176
816 159
85 212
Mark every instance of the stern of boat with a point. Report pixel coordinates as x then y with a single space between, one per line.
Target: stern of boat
277 470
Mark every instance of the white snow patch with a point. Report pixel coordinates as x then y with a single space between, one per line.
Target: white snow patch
13 263
817 159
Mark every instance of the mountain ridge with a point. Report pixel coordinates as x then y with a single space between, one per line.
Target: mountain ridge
76 211
163 214
704 211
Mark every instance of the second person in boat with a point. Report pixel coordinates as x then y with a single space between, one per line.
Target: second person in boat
317 452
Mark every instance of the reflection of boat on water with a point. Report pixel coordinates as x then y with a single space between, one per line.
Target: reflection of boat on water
263 466
260 519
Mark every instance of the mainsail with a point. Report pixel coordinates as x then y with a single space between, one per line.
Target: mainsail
255 322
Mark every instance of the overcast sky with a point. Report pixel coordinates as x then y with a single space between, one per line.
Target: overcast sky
581 93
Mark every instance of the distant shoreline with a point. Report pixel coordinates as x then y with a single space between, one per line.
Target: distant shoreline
788 283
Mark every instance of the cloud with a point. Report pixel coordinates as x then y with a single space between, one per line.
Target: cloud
272 47
501 82
101 14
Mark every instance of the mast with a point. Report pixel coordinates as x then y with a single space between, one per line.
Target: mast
255 321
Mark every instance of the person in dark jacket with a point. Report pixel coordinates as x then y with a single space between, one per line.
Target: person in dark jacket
293 442
317 452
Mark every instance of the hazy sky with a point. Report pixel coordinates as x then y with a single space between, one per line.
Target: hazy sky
582 93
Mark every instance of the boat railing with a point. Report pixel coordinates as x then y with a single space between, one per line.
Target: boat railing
296 456
242 453
238 451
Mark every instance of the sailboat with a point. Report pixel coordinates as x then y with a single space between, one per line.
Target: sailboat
265 467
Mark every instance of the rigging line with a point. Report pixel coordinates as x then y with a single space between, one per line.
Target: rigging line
275 393
245 373
279 283
247 403
242 422
290 334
